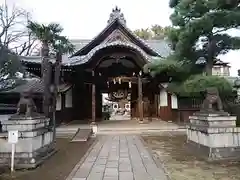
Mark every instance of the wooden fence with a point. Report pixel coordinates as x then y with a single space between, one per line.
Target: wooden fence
187 106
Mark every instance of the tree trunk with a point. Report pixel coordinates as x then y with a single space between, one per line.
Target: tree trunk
210 55
209 66
46 77
55 94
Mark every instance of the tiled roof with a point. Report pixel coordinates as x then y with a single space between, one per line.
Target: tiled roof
202 60
38 59
80 43
161 46
36 86
220 62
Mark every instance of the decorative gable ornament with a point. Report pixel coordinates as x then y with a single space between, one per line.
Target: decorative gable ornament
117 14
116 35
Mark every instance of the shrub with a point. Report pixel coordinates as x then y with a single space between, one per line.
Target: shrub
197 84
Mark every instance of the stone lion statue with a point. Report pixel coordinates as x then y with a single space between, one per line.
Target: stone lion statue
26 105
212 101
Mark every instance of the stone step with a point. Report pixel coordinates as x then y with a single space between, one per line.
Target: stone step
155 131
82 135
68 136
141 129
66 133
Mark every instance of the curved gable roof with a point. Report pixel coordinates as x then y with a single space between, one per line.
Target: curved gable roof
116 24
77 60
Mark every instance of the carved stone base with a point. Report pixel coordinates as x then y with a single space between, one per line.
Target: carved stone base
215 136
211 113
35 141
214 154
28 160
206 121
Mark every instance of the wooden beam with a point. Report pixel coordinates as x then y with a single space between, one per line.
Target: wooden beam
140 99
131 79
93 101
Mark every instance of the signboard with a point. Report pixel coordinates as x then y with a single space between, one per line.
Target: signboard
12 137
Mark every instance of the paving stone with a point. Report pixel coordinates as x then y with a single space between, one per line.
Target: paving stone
98 168
125 160
119 158
101 161
90 159
113 172
125 155
110 178
95 176
83 172
125 167
113 158
125 176
112 164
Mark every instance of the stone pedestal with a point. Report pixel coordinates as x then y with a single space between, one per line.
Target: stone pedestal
215 136
35 141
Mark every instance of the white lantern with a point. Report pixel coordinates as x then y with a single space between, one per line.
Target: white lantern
129 84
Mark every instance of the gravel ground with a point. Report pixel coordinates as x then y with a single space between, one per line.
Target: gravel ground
58 167
181 164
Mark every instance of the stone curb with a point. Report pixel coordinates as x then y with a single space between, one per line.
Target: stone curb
77 166
159 163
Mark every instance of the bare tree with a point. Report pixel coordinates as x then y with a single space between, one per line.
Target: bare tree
13 32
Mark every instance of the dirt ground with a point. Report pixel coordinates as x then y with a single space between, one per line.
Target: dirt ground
58 167
181 164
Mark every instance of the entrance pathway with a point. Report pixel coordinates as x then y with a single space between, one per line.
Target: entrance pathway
118 157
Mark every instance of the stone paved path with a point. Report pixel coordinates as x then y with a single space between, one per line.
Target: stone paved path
120 157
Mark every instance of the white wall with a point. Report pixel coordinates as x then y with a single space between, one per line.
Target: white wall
220 71
174 101
163 101
59 102
5 117
68 99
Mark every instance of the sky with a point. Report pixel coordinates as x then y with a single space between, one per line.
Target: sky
84 19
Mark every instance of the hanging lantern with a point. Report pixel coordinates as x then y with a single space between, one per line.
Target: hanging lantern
114 81
140 73
119 80
130 84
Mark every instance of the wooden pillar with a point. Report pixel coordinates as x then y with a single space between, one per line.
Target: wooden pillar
140 99
93 99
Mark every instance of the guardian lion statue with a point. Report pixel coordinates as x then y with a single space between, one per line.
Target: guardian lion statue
26 105
212 102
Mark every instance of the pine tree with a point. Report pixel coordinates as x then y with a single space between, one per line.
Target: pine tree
201 29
